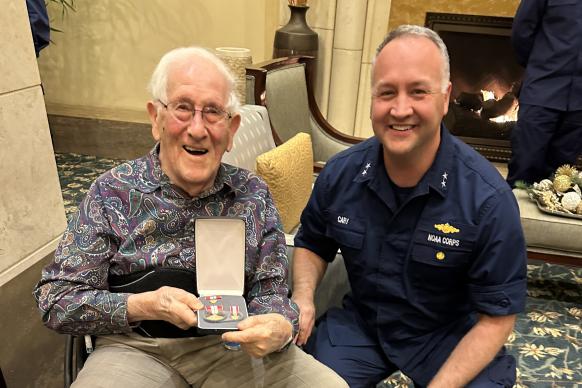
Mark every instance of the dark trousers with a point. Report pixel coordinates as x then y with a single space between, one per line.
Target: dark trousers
543 140
363 364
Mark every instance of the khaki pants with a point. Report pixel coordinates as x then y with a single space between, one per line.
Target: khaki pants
127 361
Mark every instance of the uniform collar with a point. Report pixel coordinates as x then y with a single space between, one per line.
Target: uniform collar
438 177
372 161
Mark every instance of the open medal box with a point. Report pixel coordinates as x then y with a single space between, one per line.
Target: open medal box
220 273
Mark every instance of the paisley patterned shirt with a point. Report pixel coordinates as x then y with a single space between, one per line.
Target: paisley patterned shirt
133 219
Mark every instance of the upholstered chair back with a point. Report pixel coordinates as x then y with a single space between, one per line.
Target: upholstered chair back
287 100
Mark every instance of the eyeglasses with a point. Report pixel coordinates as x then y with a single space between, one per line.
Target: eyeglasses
184 112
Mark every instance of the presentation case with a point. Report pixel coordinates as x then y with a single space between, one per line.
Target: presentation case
220 273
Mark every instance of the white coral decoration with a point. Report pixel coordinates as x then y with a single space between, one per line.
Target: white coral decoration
549 200
543 185
571 200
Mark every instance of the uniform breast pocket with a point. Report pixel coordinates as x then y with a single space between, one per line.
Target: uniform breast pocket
347 231
351 244
347 238
437 269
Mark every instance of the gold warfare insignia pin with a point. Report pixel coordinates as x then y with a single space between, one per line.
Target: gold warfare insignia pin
440 256
446 228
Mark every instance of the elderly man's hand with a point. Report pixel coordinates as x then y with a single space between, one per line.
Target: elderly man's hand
260 335
306 317
169 304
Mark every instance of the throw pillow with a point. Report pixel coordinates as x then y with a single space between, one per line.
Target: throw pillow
288 170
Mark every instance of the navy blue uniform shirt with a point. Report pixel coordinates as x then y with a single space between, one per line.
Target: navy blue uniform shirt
419 272
547 38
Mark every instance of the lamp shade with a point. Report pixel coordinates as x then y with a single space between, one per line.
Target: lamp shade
237 59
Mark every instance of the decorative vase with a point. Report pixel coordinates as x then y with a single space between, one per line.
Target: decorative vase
237 59
295 38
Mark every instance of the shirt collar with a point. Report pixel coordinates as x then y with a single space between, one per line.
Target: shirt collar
371 162
437 177
152 177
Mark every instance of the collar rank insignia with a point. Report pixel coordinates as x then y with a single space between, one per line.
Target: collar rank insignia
446 228
444 181
365 170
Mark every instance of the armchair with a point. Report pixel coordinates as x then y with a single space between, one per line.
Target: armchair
76 353
285 87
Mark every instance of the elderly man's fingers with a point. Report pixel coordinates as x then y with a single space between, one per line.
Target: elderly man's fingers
188 298
169 295
255 351
255 342
243 337
252 321
194 303
177 307
272 319
260 335
186 316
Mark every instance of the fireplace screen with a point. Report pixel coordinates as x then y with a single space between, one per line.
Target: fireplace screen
485 79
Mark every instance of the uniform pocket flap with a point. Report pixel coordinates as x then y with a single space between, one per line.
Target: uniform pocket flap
346 237
438 256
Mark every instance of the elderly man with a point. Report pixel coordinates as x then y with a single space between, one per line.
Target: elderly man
140 215
430 234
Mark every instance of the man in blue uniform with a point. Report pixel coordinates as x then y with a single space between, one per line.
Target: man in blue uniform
430 233
547 38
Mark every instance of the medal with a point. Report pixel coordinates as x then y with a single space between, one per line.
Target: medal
214 313
235 313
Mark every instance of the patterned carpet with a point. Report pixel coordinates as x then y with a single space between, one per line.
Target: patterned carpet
547 340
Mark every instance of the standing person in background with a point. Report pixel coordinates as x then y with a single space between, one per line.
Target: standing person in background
39 24
547 38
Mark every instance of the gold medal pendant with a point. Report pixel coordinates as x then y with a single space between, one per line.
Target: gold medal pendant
214 318
214 314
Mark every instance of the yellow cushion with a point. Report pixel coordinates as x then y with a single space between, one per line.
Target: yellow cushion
288 170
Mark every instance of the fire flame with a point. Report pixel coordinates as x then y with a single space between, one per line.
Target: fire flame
510 115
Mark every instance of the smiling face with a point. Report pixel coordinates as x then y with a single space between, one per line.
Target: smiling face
408 102
190 153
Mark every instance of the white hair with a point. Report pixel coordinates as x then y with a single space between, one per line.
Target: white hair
412 30
158 85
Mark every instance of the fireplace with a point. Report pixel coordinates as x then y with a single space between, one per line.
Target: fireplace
485 78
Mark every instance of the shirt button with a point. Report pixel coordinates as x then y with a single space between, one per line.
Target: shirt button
503 303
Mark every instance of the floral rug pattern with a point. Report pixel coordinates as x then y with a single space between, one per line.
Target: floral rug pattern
546 341
547 338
